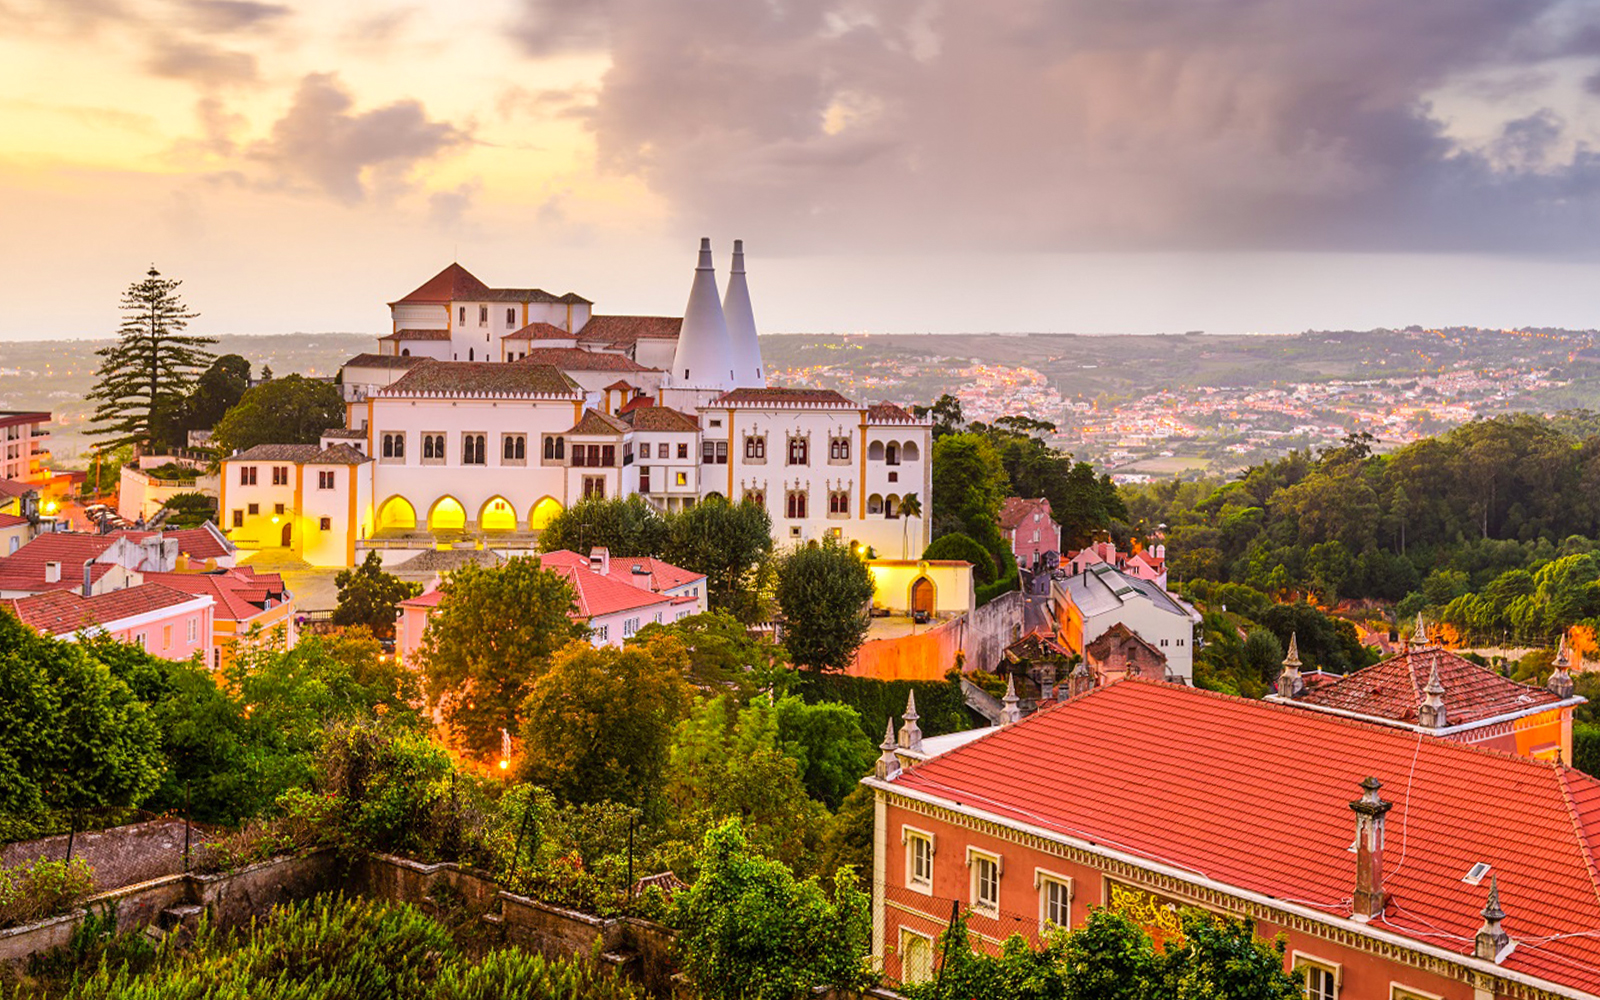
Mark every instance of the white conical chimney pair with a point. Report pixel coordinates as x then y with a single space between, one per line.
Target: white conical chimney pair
717 346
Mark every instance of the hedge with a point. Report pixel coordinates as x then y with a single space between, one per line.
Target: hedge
1586 748
940 707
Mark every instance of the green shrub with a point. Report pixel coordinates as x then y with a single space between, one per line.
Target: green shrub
959 547
939 703
38 889
1586 748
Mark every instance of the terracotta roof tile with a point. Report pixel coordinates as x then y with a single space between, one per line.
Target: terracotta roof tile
636 403
1256 795
240 595
888 412
15 488
595 422
339 454
296 453
579 360
62 612
625 331
382 360
539 331
596 595
417 335
11 520
774 395
1393 688
660 418
200 543
650 574
489 378
453 283
1015 510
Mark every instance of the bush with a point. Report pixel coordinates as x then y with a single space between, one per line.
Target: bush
940 705
1586 748
959 547
38 889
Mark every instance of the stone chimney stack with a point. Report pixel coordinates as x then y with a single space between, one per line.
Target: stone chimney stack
600 559
1492 938
1290 684
888 763
1080 681
1370 810
52 572
1560 683
1431 713
1010 713
910 732
88 578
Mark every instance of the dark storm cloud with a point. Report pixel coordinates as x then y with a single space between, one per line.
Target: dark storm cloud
1081 124
323 144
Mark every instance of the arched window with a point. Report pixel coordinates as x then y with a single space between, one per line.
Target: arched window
388 446
427 447
561 448
509 451
472 450
875 451
875 504
438 446
909 452
891 506
549 448
891 454
839 449
756 497
796 504
405 352
839 503
471 354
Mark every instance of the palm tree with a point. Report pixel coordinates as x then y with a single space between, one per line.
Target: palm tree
910 507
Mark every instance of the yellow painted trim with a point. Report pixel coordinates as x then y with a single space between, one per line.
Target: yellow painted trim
350 528
299 508
731 440
224 521
861 498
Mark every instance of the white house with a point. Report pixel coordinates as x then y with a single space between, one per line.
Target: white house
1093 601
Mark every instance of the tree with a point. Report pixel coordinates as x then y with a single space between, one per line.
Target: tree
150 368
823 592
368 595
749 930
598 724
969 485
959 547
289 410
626 526
723 653
826 740
946 413
189 510
492 635
217 391
910 507
728 543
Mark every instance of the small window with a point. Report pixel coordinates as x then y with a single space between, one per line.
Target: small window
277 508
683 479
138 639
472 449
192 629
799 449
253 509
916 956
511 317
325 524
600 632
1321 983
919 858
683 451
247 475
461 315
325 479
166 637
985 888
280 475
483 315
1055 899
1476 873
644 449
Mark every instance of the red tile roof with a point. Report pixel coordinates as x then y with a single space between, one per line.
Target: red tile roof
625 331
62 612
781 396
659 418
15 488
887 411
595 422
382 360
1255 795
539 331
430 599
417 335
579 360
453 283
241 594
650 574
492 378
1015 510
1393 688
11 520
636 403
597 595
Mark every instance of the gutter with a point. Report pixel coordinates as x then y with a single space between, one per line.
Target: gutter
1188 875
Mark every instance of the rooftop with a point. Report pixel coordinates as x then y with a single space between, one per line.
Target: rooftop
382 360
485 378
1102 588
1261 804
1015 510
659 418
625 331
776 396
579 360
63 612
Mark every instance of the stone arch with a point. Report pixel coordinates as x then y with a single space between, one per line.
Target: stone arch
875 451
875 504
543 513
922 595
909 451
891 505
397 514
497 514
447 514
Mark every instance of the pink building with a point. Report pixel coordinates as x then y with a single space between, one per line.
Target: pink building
163 621
1031 529
1146 564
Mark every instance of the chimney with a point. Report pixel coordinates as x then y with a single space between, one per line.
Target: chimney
1492 940
600 559
910 732
88 579
742 325
1431 713
1080 681
52 572
888 763
1010 713
704 356
1369 809
1560 683
1290 685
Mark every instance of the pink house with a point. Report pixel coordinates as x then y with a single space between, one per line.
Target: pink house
1146 564
163 621
1031 529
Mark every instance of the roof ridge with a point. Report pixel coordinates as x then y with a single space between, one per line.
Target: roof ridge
1589 847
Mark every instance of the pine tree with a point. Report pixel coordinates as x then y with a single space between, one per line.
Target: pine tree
148 371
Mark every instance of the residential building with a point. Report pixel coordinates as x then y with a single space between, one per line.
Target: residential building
1101 596
26 443
1144 564
88 564
248 608
1030 528
164 622
15 532
1160 796
1428 689
298 496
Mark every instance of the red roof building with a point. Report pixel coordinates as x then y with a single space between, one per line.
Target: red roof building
159 619
249 606
1031 529
1372 848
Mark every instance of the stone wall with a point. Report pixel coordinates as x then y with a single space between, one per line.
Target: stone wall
990 629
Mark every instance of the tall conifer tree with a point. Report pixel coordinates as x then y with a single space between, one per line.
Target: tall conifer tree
145 375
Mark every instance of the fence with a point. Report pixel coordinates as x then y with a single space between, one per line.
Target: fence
122 846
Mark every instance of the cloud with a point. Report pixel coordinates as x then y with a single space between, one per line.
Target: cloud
322 144
202 63
1078 124
225 16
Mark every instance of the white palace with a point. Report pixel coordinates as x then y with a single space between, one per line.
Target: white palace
488 410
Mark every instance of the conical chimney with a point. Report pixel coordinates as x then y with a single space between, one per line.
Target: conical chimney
741 321
704 358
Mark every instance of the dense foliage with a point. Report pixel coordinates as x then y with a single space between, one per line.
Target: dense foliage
42 888
369 597
823 592
1111 958
289 410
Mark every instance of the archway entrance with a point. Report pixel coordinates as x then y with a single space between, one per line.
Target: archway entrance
543 513
922 597
397 514
497 515
447 515
288 535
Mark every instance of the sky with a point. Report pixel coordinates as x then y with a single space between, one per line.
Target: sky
893 166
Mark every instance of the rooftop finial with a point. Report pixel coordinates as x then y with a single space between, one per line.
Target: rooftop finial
1492 939
1419 634
1560 683
1290 684
1431 713
1081 680
910 732
1010 712
888 764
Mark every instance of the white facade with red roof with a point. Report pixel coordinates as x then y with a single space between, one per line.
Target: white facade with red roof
1145 564
1374 850
86 563
159 619
249 608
